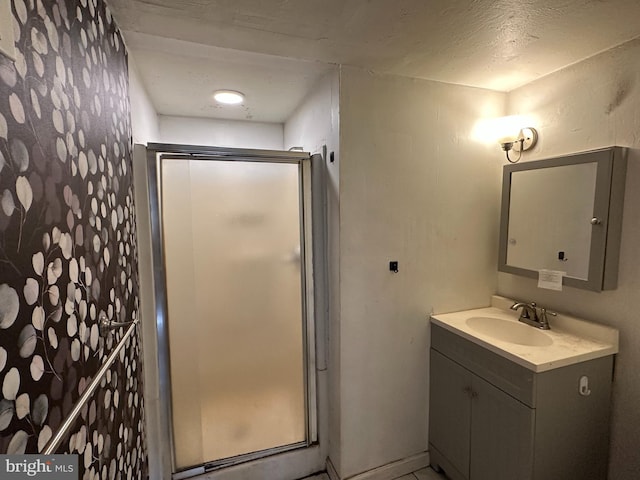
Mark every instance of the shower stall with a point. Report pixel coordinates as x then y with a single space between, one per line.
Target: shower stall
234 304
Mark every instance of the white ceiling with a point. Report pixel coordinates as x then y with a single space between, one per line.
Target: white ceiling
180 78
185 49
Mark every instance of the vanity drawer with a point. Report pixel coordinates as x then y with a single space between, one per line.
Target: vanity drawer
514 379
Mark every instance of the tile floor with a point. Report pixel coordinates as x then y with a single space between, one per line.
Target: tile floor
424 474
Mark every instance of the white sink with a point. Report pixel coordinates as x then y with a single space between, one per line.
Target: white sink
509 331
496 328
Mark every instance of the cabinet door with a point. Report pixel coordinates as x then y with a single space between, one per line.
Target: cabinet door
502 432
450 412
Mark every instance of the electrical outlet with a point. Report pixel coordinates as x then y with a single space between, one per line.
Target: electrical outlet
7 42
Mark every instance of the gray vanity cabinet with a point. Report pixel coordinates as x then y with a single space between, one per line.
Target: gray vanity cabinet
492 419
450 418
501 434
468 411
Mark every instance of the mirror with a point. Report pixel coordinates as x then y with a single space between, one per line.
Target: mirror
564 214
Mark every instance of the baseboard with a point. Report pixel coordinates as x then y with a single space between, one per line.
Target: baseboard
331 470
386 472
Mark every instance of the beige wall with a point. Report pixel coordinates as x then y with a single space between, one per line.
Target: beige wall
314 124
590 105
220 133
414 187
144 118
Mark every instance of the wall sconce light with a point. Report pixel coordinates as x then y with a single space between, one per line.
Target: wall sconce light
525 139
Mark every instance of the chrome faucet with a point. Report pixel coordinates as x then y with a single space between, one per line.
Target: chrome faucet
531 316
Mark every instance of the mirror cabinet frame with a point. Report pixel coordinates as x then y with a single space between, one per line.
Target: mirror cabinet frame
608 204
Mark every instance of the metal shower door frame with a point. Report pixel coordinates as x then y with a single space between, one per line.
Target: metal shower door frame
156 153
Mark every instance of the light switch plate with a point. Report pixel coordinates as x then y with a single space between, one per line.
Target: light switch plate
7 42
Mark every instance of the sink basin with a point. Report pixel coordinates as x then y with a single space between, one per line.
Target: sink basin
498 330
509 331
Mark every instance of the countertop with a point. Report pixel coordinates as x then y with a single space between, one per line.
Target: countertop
573 340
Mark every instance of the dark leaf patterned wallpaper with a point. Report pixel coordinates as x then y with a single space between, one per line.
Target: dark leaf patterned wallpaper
67 237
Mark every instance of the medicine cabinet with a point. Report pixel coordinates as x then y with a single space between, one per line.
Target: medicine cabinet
564 214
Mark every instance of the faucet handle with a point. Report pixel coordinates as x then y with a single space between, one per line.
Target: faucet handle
544 323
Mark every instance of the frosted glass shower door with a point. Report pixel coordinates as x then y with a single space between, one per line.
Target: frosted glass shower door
234 286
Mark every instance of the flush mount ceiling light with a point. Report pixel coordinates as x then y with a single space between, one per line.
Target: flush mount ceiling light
228 97
525 139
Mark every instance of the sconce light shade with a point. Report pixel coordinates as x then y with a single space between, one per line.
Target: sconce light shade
525 139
